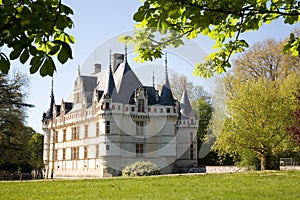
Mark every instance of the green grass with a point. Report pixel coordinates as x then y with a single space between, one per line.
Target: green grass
255 185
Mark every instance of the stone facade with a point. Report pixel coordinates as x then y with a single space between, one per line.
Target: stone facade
112 120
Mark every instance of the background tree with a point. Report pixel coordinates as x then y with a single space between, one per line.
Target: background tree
201 104
34 29
295 128
266 60
35 146
258 115
223 21
14 135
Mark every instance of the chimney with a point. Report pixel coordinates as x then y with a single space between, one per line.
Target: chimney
97 68
117 59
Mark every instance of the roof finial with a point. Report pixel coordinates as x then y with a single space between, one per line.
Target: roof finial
110 59
125 55
153 80
52 90
78 70
166 68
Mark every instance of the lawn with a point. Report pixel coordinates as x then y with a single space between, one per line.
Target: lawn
250 185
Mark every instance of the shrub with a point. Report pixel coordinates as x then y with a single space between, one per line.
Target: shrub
141 168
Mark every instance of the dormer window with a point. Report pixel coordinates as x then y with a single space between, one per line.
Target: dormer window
106 106
141 105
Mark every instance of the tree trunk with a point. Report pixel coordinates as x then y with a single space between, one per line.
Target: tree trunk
263 161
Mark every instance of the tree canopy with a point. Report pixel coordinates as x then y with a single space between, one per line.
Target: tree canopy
259 101
35 30
224 21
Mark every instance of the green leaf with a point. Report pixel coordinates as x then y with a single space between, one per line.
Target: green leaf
24 56
4 65
64 53
54 49
15 53
35 63
139 16
48 67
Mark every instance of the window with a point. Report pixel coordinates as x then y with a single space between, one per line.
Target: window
85 152
97 129
107 147
97 151
149 109
119 107
126 109
191 154
168 110
161 110
106 106
107 127
141 105
55 154
75 153
64 154
155 110
55 136
192 121
113 107
86 130
132 109
75 133
191 137
139 127
139 150
64 135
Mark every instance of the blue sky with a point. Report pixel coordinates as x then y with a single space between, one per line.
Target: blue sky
97 22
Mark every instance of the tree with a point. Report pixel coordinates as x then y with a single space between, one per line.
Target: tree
35 29
294 130
200 102
223 21
35 146
14 135
266 60
258 115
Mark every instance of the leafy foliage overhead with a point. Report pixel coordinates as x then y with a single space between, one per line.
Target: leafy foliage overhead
35 30
222 20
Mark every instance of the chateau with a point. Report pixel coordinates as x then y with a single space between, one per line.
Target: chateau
114 120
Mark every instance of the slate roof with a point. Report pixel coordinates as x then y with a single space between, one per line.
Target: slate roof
166 96
185 106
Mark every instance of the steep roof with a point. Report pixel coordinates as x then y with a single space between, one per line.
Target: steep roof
110 84
152 94
126 82
185 103
185 109
166 96
49 113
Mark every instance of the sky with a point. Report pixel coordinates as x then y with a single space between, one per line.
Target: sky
97 25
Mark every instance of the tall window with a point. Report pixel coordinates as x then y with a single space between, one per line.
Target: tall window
86 131
191 154
139 150
55 136
55 154
75 133
97 151
191 137
75 153
97 129
85 152
107 127
106 106
64 154
141 105
64 135
139 127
